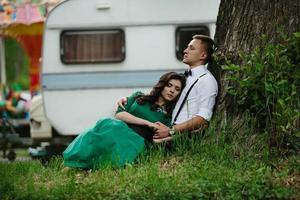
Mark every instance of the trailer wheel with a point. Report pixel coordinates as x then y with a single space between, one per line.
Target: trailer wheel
11 156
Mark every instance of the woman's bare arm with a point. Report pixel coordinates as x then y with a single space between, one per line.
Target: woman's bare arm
129 118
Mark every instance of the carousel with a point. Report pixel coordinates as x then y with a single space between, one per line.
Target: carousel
24 22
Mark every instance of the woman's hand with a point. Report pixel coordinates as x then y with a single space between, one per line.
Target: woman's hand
122 102
152 125
161 131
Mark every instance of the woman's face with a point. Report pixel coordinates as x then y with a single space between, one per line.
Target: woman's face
171 90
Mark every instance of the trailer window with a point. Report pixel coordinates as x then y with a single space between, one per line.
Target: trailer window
92 46
184 35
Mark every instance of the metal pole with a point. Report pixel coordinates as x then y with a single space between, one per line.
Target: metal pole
2 61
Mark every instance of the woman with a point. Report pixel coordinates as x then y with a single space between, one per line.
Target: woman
111 141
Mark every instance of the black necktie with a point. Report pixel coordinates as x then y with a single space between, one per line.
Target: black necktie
188 73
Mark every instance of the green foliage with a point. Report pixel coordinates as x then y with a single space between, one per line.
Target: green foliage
17 64
267 86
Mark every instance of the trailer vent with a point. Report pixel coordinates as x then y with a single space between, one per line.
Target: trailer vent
103 5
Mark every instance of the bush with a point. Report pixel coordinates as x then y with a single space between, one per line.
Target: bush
267 85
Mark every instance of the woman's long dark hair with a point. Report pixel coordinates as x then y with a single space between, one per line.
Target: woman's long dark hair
158 88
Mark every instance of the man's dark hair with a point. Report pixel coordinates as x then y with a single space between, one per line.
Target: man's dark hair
208 44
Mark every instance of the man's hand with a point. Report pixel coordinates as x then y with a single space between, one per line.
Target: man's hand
162 140
122 102
151 125
161 131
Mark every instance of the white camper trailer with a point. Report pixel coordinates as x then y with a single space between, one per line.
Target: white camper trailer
96 51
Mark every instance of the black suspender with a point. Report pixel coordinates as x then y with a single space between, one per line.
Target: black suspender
186 95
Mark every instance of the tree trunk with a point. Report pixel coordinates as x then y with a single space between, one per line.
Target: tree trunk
241 23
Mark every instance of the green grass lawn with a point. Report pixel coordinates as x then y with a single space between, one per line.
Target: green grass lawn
215 167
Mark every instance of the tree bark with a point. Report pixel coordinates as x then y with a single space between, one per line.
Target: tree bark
241 23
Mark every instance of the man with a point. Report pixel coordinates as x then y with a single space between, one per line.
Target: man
197 108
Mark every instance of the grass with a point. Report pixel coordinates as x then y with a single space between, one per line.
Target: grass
222 165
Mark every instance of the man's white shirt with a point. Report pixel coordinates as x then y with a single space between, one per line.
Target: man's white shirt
202 97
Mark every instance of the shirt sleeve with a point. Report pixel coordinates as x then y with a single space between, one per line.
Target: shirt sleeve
207 98
130 101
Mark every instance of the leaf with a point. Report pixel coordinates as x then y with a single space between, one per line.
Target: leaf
231 67
282 82
269 87
281 102
297 34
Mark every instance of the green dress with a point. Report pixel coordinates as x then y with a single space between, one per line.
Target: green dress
111 141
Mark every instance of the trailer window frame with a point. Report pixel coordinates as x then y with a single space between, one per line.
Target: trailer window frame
121 48
182 38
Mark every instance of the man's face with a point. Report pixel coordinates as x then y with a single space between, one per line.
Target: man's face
195 53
